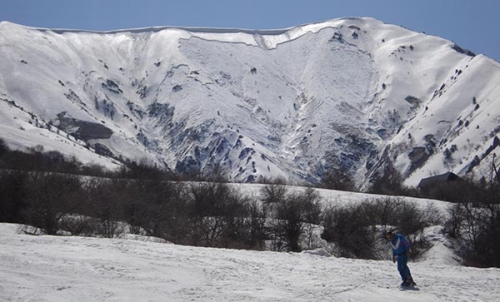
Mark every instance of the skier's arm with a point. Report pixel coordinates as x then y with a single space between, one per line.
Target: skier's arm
406 245
393 254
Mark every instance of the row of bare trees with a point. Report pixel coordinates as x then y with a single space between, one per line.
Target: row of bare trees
214 214
199 213
474 221
49 192
358 229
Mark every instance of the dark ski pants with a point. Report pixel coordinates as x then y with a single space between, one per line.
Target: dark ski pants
403 269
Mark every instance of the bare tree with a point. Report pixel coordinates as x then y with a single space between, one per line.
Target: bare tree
12 196
104 198
50 196
475 223
390 182
254 232
214 209
291 214
338 179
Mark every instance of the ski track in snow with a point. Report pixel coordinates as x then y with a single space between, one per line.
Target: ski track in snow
49 268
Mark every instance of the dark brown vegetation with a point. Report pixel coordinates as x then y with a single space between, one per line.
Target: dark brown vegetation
56 194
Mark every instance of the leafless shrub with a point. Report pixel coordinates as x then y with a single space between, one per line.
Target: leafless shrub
475 224
290 215
49 197
355 229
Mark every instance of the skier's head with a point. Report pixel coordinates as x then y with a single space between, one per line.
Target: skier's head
389 235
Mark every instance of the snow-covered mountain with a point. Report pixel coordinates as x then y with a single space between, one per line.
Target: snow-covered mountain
351 92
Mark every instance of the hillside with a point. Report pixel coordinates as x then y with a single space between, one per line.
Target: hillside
349 93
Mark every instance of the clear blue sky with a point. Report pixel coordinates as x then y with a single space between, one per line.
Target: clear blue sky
472 24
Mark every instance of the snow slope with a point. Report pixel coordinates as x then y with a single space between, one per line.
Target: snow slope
138 268
48 268
351 92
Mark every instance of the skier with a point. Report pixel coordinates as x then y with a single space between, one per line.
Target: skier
401 252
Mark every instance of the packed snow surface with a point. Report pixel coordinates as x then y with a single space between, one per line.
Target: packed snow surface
51 268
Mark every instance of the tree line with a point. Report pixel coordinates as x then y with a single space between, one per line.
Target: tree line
50 192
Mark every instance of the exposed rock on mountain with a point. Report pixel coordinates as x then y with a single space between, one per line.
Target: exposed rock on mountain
351 93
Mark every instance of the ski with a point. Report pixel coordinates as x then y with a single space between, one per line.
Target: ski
409 287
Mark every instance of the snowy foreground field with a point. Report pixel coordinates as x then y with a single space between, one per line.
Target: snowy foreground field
49 268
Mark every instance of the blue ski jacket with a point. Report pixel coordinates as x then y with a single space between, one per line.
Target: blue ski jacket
400 245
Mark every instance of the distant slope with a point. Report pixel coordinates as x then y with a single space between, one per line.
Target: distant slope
354 93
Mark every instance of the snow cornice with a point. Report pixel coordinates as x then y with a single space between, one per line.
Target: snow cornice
214 30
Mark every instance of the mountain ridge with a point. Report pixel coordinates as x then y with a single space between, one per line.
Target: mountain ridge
339 93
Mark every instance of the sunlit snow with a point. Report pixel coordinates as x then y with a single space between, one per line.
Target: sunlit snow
260 103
